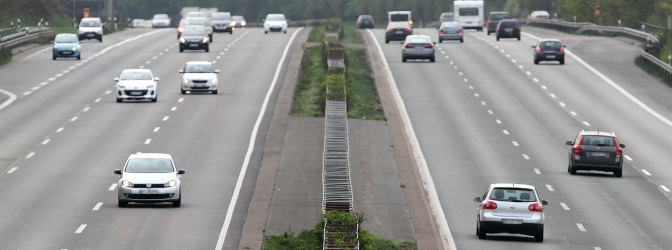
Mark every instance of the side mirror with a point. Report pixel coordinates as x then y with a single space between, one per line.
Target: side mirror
117 171
156 79
534 46
181 171
434 43
544 202
569 143
621 145
217 71
52 42
564 46
181 71
116 79
477 199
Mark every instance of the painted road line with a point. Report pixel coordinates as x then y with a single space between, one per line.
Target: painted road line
564 206
581 228
537 171
664 188
80 229
12 170
645 172
97 207
30 155
113 187
550 188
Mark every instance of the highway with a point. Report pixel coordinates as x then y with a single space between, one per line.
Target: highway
63 134
484 113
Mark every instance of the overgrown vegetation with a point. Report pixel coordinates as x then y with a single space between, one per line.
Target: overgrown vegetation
5 55
312 239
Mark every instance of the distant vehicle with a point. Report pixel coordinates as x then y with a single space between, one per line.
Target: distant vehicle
90 28
149 178
365 22
469 14
510 208
418 47
451 31
494 18
136 84
596 150
196 14
446 17
180 27
275 23
238 22
539 14
140 23
194 37
221 21
199 76
397 31
549 50
202 22
161 21
508 28
400 16
66 45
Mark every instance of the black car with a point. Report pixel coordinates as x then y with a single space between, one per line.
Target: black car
508 28
596 150
494 18
397 31
365 22
221 22
549 50
194 37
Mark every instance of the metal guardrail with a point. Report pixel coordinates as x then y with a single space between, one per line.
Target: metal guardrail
22 36
656 66
580 28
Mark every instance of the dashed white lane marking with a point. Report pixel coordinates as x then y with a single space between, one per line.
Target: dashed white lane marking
108 92
535 79
597 248
526 157
80 229
156 129
586 123
148 141
498 121
627 157
30 155
573 113
490 112
46 141
44 83
27 93
506 132
564 206
484 103
552 95
12 170
664 188
97 100
550 188
173 108
562 104
515 143
646 172
581 228
180 100
165 118
466 80
544 87
86 108
74 119
476 95
113 187
528 73
97 207
35 88
537 171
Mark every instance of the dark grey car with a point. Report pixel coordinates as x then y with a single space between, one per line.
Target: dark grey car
221 22
596 150
451 31
508 28
549 50
494 18
397 31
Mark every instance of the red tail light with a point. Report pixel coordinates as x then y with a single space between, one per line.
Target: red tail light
390 31
577 146
562 50
536 207
440 32
538 50
408 46
407 30
489 205
461 32
429 46
488 21
619 151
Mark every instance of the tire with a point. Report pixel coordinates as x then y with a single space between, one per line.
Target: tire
210 37
53 57
498 38
79 57
539 237
536 61
178 203
619 172
480 231
121 203
181 49
518 38
562 62
119 100
184 92
403 59
433 59
207 48
572 170
489 33
214 92
440 41
265 32
155 99
461 40
387 41
100 39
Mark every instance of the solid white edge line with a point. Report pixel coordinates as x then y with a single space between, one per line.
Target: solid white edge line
430 188
250 147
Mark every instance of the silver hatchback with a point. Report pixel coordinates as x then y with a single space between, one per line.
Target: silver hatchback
418 47
149 178
510 208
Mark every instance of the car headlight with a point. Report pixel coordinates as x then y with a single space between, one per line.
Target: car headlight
126 184
182 40
55 46
242 23
171 183
151 86
186 80
205 40
233 23
74 48
214 80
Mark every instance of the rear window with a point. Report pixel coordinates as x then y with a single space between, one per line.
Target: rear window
418 40
398 17
451 25
596 140
513 194
550 44
499 16
508 24
468 11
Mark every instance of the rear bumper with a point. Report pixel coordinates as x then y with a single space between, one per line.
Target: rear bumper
451 37
422 54
498 227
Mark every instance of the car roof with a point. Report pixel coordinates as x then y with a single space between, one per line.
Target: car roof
198 62
150 155
136 70
511 185
603 133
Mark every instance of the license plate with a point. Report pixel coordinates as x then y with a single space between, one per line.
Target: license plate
66 52
89 35
398 32
599 154
148 191
136 92
468 22
550 56
508 30
512 221
193 45
200 84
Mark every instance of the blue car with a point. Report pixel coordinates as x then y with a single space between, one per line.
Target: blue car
66 45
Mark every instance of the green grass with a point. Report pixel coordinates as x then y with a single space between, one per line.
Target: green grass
5 55
351 35
363 101
309 96
317 34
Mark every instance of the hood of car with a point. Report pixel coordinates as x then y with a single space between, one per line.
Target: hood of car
197 76
65 45
275 23
89 29
190 37
131 84
213 22
139 178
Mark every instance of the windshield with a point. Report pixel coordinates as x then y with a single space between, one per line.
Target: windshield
66 39
220 16
399 17
89 23
194 31
160 16
198 68
149 165
135 75
275 18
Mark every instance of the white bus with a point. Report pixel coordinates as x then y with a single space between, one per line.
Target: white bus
469 14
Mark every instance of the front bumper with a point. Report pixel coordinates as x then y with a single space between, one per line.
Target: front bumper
149 195
445 37
199 86
193 45
136 94
66 53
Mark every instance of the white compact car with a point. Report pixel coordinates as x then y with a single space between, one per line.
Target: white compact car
199 76
510 208
90 28
136 84
275 23
149 178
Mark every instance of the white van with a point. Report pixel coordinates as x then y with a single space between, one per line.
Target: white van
469 14
400 16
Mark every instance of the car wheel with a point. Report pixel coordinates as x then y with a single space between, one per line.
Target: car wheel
121 203
540 236
403 59
387 41
440 41
210 37
214 92
265 32
562 61
100 39
183 91
433 59
497 38
461 40
481 231
572 170
518 38
178 203
536 61
489 33
155 98
79 57
285 32
618 172
119 99
207 48
181 49
53 57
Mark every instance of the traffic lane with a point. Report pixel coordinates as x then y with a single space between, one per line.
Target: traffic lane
209 144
